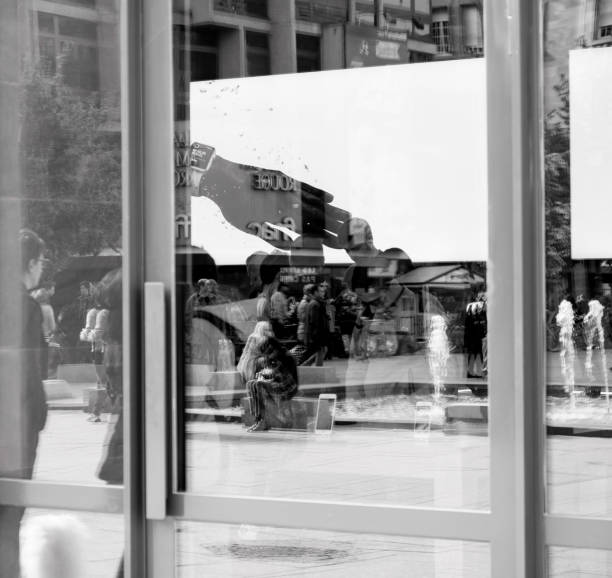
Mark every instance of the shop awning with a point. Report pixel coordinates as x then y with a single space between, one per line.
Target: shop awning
449 276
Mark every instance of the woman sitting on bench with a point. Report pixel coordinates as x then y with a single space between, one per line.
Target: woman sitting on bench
275 382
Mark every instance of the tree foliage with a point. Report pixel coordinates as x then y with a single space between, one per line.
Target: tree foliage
71 166
557 185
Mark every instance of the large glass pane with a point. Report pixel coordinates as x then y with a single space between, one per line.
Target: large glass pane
60 249
331 248
577 65
233 551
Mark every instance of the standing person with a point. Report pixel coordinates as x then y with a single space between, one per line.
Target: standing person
299 349
358 346
111 466
41 296
94 333
475 333
301 311
279 310
346 314
71 319
316 328
31 351
44 296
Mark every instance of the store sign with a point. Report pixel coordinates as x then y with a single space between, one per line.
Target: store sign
272 232
273 182
368 46
301 275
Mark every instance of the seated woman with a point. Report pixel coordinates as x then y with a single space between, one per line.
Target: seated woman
252 350
275 381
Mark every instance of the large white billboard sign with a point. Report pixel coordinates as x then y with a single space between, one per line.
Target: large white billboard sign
591 152
403 147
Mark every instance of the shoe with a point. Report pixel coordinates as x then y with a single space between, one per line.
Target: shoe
259 425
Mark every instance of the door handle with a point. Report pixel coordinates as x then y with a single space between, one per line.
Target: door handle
156 415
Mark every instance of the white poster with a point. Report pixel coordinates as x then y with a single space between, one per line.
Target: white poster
403 147
591 152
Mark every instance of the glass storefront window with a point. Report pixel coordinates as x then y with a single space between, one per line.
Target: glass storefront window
578 279
60 259
314 244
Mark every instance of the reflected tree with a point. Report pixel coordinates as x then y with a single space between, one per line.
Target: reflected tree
557 187
71 159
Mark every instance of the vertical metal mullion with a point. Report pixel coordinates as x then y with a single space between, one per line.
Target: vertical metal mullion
158 211
132 233
516 280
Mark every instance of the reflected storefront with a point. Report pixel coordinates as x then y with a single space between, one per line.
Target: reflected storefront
305 287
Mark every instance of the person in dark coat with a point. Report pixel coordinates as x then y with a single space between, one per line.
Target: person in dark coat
316 328
475 334
31 349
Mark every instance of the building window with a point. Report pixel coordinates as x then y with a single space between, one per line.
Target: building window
605 31
258 54
308 53
327 12
604 18
440 35
73 43
257 8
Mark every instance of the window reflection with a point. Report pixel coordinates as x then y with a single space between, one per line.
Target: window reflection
302 308
578 281
61 232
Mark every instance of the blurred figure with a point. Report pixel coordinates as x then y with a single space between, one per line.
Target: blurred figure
111 465
276 381
279 310
200 298
252 350
43 298
54 546
94 333
71 319
359 337
111 468
32 353
316 328
346 314
475 333
49 327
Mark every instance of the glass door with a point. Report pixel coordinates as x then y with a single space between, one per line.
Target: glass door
317 262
